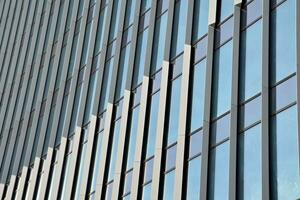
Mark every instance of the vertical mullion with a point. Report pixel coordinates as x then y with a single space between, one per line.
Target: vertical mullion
265 100
156 181
234 102
207 99
125 107
108 116
136 174
72 96
93 119
181 139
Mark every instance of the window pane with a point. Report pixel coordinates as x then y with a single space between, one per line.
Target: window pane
250 113
97 160
251 61
122 72
100 30
145 5
115 19
220 130
179 27
140 57
219 173
132 137
152 125
251 12
108 193
200 21
249 164
200 49
195 144
285 155
76 107
130 12
82 167
148 170
193 180
114 150
128 180
222 80
159 42
171 158
226 9
224 32
147 192
90 97
106 85
198 93
162 5
283 94
169 185
86 44
174 109
283 41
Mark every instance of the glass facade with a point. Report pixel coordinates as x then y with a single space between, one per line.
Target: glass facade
143 99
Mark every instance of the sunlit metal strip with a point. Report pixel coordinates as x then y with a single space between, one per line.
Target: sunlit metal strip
126 101
136 174
156 181
184 91
207 99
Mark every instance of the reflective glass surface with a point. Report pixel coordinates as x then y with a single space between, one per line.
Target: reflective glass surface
200 21
283 41
159 42
283 94
193 179
152 125
97 160
132 138
148 170
171 158
251 61
197 100
195 144
114 150
221 95
226 9
220 130
250 112
140 57
169 185
179 27
174 110
147 192
218 188
285 177
122 71
250 164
